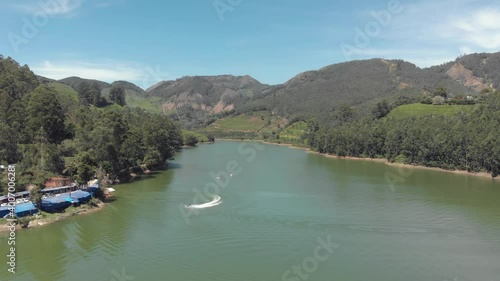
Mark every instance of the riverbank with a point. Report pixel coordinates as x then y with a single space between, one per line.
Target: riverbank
380 160
43 219
403 165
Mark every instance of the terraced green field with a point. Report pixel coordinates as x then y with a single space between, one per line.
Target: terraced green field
293 132
242 123
151 105
255 126
418 109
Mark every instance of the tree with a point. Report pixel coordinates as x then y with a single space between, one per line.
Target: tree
161 136
9 153
442 92
44 111
153 157
38 133
344 113
117 95
133 147
83 167
310 133
438 100
90 94
116 122
381 109
36 196
95 94
426 100
211 138
16 80
191 140
85 93
5 103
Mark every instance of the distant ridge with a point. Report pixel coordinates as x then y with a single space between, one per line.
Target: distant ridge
356 83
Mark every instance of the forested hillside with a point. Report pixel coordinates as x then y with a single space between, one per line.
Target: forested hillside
463 139
79 127
199 101
359 83
49 130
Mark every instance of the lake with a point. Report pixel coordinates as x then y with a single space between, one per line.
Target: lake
284 214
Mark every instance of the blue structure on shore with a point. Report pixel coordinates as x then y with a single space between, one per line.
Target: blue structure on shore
80 195
55 204
64 197
92 189
4 212
64 200
26 209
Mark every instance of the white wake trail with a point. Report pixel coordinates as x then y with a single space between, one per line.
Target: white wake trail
217 200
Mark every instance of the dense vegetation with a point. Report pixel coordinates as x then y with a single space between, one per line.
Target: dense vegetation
316 94
196 102
375 108
47 130
468 140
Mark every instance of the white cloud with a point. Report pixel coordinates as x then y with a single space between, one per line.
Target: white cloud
450 24
51 7
106 70
432 32
479 29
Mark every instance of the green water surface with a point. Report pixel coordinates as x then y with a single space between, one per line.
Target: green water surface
286 215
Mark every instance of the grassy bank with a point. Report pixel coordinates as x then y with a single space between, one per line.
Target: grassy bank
418 109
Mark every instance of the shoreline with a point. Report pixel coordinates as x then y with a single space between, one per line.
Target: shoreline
83 209
379 160
56 217
395 164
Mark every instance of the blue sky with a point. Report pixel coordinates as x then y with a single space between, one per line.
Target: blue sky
148 41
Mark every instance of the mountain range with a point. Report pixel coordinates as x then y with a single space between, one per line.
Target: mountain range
198 100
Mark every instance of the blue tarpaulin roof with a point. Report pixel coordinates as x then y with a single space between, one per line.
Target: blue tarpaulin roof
64 200
80 195
56 199
4 211
55 203
25 209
